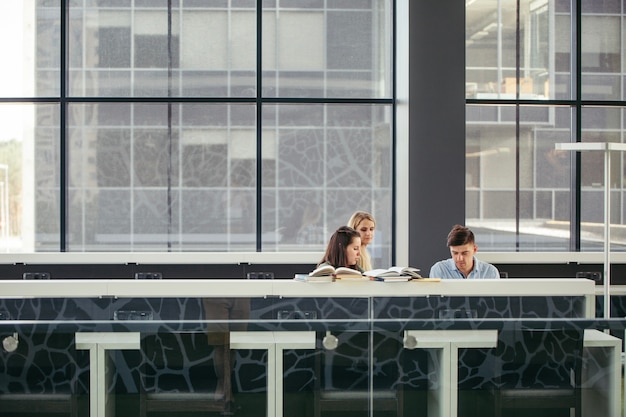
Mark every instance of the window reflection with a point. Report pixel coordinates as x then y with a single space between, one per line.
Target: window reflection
519 186
169 140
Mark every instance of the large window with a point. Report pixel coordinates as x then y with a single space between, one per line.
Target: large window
538 75
186 125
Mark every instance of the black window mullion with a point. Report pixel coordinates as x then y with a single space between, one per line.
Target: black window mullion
259 114
63 157
394 121
576 208
518 47
169 125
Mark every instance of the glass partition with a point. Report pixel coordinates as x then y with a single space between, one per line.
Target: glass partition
321 356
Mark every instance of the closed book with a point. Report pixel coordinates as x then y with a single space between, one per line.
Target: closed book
352 278
404 278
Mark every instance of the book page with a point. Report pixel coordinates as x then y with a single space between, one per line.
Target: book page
347 271
323 270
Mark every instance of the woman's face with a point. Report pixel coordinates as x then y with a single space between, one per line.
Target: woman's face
366 230
353 251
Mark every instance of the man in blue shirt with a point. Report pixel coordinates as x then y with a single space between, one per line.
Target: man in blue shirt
463 264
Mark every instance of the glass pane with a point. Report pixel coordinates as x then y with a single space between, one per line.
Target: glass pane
499 163
323 52
493 53
29 41
167 352
159 177
29 178
320 164
601 125
600 59
142 176
187 51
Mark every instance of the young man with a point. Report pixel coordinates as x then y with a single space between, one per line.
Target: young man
463 264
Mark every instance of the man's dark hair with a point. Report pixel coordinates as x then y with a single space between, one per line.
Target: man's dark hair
460 235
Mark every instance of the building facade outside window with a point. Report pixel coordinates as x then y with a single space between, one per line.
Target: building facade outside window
191 125
184 125
530 83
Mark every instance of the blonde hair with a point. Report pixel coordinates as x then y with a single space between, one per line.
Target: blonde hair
357 217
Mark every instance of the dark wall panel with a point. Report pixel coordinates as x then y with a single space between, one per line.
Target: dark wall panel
436 127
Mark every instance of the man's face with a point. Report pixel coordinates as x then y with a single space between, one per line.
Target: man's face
463 256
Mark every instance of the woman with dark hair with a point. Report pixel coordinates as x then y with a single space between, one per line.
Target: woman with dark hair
343 250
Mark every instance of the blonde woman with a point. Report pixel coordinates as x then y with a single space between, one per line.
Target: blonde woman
364 223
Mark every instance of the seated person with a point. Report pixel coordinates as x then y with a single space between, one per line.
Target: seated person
343 250
463 264
365 224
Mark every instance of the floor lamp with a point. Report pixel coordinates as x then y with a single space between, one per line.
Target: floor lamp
607 148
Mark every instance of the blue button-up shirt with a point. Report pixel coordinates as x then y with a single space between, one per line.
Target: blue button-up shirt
446 269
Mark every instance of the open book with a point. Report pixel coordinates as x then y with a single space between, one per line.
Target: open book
309 278
328 273
339 273
394 272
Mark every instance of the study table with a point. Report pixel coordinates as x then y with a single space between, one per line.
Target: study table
275 343
168 288
312 309
600 396
98 343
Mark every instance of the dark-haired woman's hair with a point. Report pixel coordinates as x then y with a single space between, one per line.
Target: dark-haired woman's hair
336 250
460 235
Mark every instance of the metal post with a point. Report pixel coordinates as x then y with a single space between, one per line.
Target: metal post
607 233
606 147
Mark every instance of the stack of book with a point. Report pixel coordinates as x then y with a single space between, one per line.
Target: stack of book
393 274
